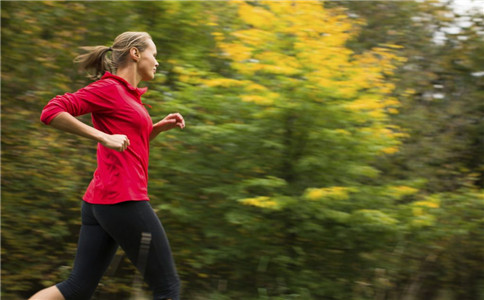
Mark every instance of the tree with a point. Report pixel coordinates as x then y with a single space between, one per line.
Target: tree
279 143
45 172
439 91
311 164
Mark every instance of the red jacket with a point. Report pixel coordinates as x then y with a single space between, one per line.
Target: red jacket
116 108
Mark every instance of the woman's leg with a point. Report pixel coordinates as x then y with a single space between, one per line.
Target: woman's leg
126 222
50 293
95 251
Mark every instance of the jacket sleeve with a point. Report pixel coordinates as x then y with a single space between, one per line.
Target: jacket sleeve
93 98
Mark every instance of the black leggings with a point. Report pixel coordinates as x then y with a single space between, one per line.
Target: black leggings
104 227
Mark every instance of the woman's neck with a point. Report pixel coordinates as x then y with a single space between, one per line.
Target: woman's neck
129 74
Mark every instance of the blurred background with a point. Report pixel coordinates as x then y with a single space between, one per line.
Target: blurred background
333 150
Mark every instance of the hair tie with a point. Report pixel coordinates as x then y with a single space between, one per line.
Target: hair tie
110 49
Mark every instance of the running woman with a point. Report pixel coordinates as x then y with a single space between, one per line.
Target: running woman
115 208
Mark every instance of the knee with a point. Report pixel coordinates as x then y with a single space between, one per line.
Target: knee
168 290
71 290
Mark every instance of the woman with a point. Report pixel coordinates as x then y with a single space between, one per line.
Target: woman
115 210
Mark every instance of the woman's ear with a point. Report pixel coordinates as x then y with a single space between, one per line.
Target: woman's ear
134 53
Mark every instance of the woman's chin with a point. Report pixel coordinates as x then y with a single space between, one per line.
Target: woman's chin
149 77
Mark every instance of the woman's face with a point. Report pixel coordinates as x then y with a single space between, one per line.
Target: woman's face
147 63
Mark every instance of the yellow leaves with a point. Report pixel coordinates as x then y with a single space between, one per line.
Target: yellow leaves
173 9
309 20
409 92
261 201
417 211
386 88
342 132
423 221
256 16
212 20
280 7
318 33
423 210
401 191
385 58
334 193
378 60
203 275
393 46
245 68
390 150
314 194
275 69
263 99
366 171
366 102
187 73
303 40
236 51
380 132
218 36
432 201
257 99
317 55
316 40
373 216
263 95
384 138
396 131
346 91
254 87
279 59
253 37
222 82
428 204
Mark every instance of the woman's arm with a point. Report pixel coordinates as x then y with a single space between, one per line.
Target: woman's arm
169 122
66 122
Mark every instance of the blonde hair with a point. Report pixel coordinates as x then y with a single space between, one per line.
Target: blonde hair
97 59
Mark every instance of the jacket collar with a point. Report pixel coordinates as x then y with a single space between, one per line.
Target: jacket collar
137 91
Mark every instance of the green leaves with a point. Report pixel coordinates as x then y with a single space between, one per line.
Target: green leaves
316 162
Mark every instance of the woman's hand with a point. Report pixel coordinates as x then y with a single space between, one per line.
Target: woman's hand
118 142
169 122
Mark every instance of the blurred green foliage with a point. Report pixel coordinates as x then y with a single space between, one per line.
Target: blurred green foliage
332 150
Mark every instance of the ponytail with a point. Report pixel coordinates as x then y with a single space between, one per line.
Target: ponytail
97 59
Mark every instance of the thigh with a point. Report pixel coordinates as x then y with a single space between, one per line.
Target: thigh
95 250
126 222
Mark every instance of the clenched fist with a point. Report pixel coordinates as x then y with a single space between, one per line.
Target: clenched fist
118 142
